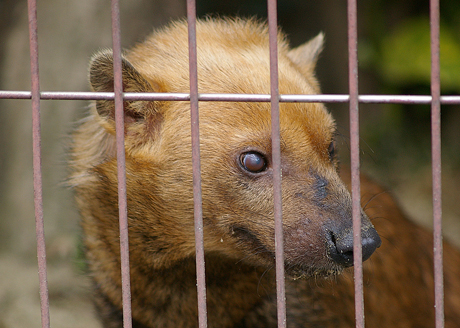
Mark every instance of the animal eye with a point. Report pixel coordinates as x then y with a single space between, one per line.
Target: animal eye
253 162
331 150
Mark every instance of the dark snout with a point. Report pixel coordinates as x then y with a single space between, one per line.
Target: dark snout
340 244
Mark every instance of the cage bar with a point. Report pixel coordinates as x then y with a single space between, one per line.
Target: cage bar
37 175
354 155
196 165
276 163
436 162
121 165
236 97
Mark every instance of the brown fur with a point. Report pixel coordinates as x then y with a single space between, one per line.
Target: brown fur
237 204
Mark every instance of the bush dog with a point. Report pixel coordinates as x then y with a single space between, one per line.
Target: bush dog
237 192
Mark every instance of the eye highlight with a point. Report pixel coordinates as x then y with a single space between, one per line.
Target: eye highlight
253 162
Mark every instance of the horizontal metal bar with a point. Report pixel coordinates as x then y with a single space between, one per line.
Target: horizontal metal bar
15 94
323 98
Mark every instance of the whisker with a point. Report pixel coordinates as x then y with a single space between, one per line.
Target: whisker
372 198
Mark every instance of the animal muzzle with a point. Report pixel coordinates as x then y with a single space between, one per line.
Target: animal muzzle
340 244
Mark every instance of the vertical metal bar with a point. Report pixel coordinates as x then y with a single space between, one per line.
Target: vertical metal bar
196 163
354 150
276 162
121 165
436 162
38 192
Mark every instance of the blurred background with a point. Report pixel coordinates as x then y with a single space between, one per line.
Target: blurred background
394 58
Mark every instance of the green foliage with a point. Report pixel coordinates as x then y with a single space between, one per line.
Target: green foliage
405 55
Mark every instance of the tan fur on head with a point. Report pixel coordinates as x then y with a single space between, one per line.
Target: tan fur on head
237 203
237 192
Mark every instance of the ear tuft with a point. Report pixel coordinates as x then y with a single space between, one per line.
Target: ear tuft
306 55
101 78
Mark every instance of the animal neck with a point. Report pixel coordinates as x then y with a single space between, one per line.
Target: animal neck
235 292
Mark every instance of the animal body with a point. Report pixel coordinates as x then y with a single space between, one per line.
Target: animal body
238 197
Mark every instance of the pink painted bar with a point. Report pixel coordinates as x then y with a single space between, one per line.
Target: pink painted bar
38 185
121 166
324 98
354 154
196 166
276 162
436 162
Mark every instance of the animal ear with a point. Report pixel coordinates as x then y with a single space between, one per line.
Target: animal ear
101 78
306 55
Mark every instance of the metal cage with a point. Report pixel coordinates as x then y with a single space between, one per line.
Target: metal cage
353 99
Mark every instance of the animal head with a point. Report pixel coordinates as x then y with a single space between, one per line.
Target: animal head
236 159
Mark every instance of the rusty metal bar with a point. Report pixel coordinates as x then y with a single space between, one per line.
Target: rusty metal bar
196 164
436 162
354 154
38 185
276 163
121 165
323 98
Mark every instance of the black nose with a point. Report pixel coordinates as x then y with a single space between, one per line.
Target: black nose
340 245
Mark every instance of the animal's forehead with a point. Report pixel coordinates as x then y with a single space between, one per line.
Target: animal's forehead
234 60
301 125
